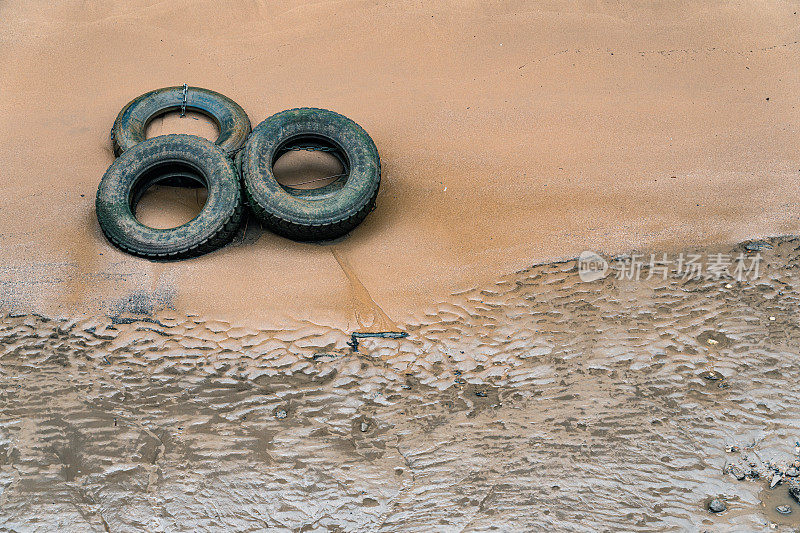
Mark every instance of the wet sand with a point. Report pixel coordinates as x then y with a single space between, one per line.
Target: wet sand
223 392
540 402
510 135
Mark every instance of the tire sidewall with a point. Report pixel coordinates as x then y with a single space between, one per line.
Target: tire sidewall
118 221
130 126
360 151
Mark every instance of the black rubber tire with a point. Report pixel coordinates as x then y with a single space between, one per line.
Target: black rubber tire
130 127
315 214
161 159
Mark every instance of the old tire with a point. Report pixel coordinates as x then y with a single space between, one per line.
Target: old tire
312 214
131 124
170 158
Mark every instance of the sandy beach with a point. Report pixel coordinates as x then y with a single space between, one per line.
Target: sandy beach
509 135
539 402
226 392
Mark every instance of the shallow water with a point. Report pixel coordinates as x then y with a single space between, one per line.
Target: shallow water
542 402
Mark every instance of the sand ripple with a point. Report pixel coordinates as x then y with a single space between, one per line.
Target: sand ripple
539 401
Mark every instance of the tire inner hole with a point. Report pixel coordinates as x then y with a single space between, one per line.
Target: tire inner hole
307 169
168 195
193 123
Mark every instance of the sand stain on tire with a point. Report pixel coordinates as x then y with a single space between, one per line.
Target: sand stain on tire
315 214
170 157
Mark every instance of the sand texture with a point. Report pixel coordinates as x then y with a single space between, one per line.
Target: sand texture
511 133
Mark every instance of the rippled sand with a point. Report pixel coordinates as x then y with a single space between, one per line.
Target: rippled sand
541 401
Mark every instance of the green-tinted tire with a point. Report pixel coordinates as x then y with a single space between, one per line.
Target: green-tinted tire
164 159
130 127
313 214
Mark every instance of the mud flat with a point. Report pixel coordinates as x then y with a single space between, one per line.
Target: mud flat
541 401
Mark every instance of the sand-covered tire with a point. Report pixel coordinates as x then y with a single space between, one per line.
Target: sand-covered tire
161 159
311 214
130 127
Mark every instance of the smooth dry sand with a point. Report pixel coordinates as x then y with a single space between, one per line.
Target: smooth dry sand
509 135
